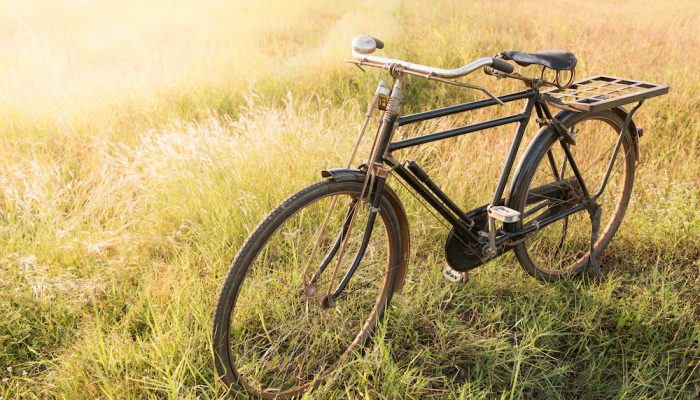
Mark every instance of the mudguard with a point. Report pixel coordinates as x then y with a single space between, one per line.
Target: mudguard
353 174
622 113
563 116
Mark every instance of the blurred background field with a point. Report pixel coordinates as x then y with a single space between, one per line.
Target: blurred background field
140 143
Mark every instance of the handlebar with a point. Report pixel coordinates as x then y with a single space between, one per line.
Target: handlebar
502 66
363 46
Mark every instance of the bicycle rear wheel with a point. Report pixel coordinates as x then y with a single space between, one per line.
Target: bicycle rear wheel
274 333
561 249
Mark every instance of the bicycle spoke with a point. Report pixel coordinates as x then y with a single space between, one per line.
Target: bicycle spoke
533 210
283 336
615 170
565 223
553 165
562 245
344 294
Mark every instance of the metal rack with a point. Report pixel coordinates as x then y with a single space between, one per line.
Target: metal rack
602 92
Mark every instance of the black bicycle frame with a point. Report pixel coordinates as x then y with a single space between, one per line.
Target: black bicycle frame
417 179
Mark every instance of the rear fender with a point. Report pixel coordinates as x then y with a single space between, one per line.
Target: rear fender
548 131
353 174
622 113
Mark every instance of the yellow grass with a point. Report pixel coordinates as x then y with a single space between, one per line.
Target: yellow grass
142 142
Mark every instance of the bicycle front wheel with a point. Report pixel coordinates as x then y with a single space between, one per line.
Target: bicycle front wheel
275 334
562 249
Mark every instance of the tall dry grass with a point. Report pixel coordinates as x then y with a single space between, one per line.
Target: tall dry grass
140 145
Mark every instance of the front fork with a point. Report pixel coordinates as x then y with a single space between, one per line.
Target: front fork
373 187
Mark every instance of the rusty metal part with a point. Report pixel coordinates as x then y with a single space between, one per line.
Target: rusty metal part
381 171
464 85
560 128
395 68
393 109
556 82
363 57
396 204
379 92
532 82
602 92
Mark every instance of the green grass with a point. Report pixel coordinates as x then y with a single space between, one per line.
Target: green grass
140 146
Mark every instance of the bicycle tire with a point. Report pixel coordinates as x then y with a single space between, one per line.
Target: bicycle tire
225 365
531 163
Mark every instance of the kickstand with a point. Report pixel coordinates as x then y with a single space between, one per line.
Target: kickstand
595 214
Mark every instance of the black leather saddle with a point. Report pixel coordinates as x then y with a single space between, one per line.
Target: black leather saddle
554 59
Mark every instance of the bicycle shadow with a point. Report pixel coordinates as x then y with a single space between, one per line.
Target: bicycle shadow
584 338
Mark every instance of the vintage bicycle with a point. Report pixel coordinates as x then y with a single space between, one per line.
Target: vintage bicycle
309 285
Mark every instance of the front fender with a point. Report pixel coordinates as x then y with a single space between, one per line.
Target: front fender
354 174
344 174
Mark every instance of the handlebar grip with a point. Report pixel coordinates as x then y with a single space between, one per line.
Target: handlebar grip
380 44
502 66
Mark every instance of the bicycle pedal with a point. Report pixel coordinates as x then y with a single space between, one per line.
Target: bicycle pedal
454 276
504 214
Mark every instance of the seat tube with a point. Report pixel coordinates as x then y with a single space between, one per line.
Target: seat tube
510 159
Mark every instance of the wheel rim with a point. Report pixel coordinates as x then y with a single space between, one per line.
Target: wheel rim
562 248
282 339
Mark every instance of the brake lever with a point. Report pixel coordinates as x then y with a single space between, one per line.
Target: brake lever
494 97
466 85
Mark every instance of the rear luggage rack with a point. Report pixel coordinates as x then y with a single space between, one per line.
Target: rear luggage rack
602 92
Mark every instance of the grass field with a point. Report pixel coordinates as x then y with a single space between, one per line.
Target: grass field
141 144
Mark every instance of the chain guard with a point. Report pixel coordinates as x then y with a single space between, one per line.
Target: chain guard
463 253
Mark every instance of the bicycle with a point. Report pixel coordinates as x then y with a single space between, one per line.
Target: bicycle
551 217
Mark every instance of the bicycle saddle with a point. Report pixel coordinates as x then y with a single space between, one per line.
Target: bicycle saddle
554 59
